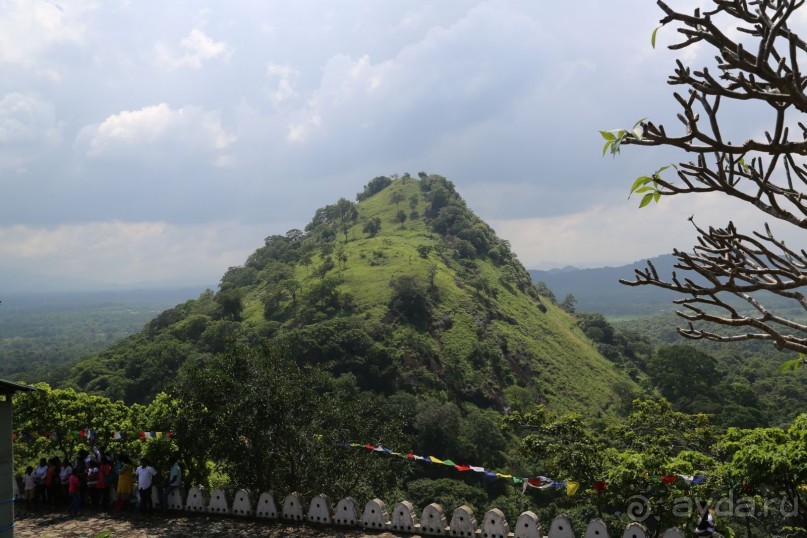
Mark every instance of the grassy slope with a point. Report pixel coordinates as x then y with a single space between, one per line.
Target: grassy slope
568 373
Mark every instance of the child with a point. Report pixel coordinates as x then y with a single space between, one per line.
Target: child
29 485
74 489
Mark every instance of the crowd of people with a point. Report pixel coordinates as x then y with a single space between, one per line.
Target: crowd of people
99 481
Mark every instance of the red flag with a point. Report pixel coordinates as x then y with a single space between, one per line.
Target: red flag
599 486
462 468
669 479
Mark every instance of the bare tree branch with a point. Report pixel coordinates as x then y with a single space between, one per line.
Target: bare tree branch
752 284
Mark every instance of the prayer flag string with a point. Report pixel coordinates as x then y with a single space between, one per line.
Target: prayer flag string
536 482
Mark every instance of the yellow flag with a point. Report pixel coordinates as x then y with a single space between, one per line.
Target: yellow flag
571 488
435 460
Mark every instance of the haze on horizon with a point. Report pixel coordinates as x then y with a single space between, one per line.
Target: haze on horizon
145 143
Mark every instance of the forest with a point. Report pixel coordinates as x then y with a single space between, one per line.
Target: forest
401 320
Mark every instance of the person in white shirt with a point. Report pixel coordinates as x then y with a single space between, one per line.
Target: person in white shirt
29 485
39 476
145 477
64 477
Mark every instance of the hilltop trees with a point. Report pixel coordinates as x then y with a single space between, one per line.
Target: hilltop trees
757 67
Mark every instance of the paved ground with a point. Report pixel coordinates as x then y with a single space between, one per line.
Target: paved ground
92 524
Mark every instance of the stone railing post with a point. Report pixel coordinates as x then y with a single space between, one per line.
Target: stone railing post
242 504
433 521
463 522
561 527
527 526
404 518
197 500
494 525
293 507
375 515
267 506
347 512
218 502
319 510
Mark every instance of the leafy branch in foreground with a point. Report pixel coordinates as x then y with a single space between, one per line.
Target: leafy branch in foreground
730 278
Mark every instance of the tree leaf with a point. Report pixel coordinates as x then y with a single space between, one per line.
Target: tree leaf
608 135
641 180
646 199
653 36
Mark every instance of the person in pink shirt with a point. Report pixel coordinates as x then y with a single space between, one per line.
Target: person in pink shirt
74 490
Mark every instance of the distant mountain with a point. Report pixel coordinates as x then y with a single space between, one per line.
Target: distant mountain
406 290
599 290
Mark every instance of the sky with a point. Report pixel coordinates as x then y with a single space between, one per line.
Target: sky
158 143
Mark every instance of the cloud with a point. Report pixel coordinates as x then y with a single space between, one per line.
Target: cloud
30 29
27 118
157 129
282 77
28 130
618 233
196 48
154 251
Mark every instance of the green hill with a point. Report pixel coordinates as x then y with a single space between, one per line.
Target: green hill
406 290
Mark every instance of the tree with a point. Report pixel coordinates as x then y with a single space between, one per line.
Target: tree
62 413
757 63
397 197
683 373
272 424
413 206
372 226
410 299
569 303
400 217
230 302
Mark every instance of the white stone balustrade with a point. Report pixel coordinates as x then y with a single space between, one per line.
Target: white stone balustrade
404 517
